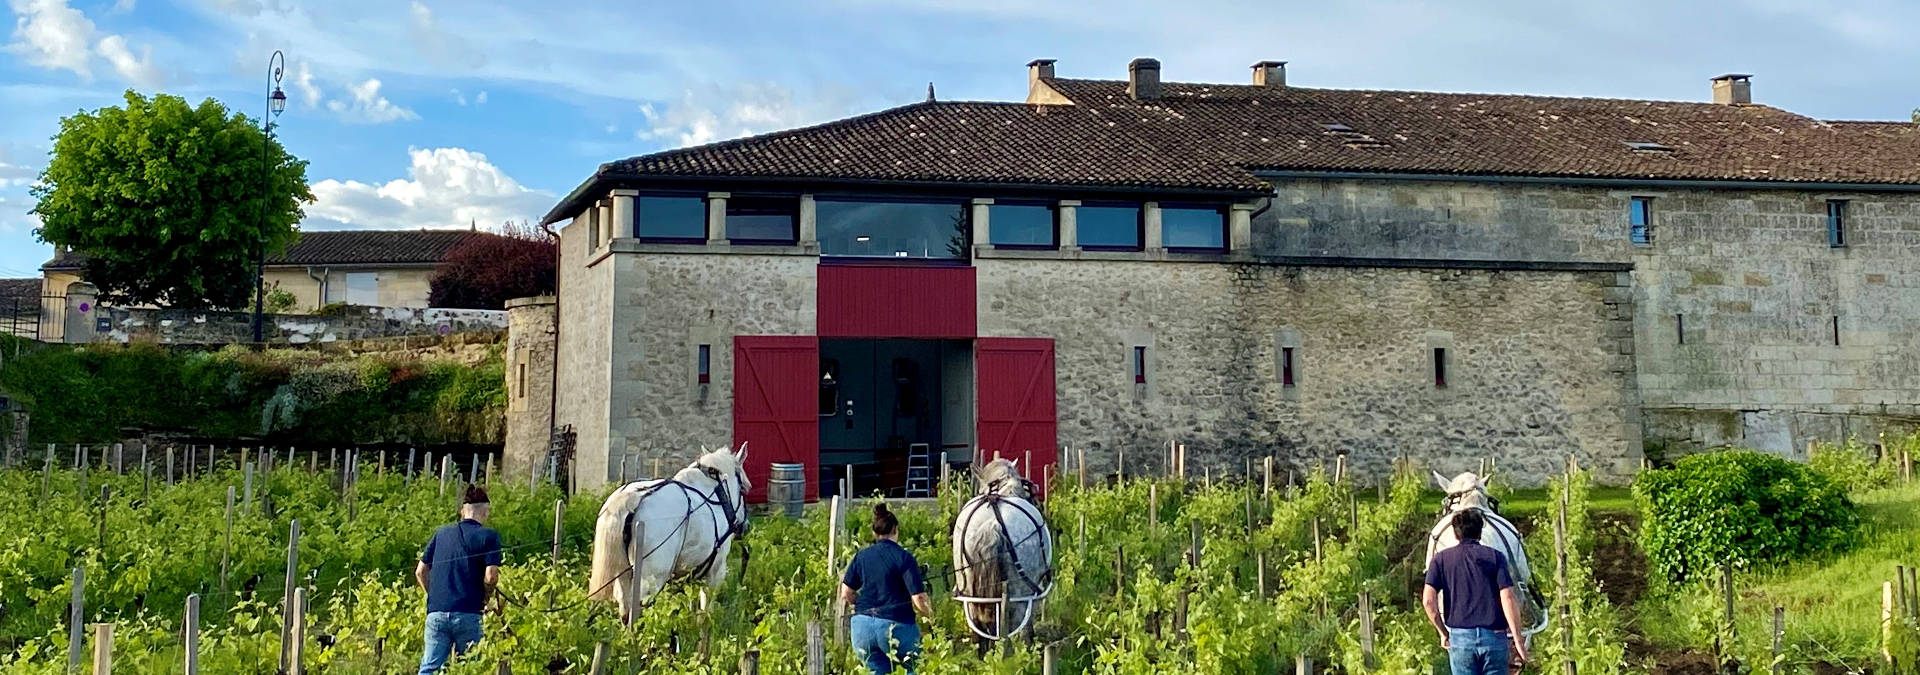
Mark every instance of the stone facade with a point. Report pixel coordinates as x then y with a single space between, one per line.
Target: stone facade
1539 362
1737 300
529 360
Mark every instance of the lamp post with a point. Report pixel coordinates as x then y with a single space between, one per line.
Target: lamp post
276 104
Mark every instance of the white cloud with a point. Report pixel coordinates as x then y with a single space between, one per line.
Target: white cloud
12 172
719 112
50 34
368 107
459 98
442 47
481 98
310 93
444 188
136 69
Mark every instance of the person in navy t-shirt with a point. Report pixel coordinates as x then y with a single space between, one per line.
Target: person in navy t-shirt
885 586
459 569
1482 612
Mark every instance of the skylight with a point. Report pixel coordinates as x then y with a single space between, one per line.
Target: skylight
1336 127
1648 146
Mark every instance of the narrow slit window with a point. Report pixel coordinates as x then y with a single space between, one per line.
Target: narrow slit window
1286 366
1439 366
1837 223
1139 365
521 388
706 364
1680 328
1836 330
1640 220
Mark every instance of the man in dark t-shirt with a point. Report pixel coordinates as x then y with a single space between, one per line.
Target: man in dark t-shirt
885 586
459 569
1482 613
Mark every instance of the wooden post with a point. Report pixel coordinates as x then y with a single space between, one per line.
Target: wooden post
1049 655
190 636
46 475
1260 572
287 596
146 474
105 494
750 662
1726 590
1120 464
1316 540
623 468
1339 468
313 462
656 468
407 473
446 471
1080 465
297 660
1153 508
559 512
1302 665
1266 488
169 466
1366 630
248 482
850 488
1886 621
1001 618
1193 549
1779 632
119 468
226 550
102 649
1119 570
1560 581
816 650
1083 535
599 666
76 612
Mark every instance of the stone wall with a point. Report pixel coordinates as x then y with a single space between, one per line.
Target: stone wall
1540 363
665 306
1735 300
529 356
585 335
186 327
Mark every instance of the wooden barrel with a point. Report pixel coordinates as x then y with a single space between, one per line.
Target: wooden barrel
787 490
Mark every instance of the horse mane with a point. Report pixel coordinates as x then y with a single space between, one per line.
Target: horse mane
1002 477
721 461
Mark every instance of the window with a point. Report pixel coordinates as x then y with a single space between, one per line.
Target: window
1193 227
1837 222
1836 330
677 219
1016 225
1286 366
521 388
871 229
706 364
1139 365
763 220
363 288
1680 328
1640 218
1112 227
1440 367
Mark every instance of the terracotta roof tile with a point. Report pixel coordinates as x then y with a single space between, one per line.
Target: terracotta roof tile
345 247
1216 137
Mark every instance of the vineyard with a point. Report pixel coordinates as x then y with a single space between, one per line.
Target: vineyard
1153 574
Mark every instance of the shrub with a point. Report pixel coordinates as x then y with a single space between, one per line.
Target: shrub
1850 466
486 271
1740 506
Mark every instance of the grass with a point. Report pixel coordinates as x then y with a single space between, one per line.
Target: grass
1531 502
1832 604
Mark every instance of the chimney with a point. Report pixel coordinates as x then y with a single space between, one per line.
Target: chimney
1143 79
1733 89
1272 74
1039 69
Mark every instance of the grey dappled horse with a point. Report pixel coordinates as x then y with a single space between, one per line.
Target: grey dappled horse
1469 491
1001 548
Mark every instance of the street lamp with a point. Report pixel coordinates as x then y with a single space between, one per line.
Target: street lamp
276 104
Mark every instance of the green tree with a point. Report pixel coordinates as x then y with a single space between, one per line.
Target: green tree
170 203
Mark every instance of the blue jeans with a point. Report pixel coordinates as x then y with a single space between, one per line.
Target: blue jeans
1478 651
874 639
448 632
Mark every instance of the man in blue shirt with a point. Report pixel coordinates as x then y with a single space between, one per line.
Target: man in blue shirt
885 587
459 569
1482 612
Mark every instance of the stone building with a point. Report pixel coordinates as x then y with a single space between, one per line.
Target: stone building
1247 269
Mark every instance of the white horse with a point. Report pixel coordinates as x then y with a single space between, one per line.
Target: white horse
1469 491
652 531
1002 548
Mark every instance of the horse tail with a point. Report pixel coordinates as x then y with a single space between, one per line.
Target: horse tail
610 535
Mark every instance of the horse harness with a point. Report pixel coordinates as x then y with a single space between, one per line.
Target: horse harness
992 501
735 517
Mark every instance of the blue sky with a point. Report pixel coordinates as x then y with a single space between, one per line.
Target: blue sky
434 113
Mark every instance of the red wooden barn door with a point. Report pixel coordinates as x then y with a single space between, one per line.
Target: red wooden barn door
776 381
1014 379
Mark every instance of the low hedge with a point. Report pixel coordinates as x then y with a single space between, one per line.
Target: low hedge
1742 507
92 393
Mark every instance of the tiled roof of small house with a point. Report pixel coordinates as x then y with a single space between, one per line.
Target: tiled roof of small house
1215 137
344 247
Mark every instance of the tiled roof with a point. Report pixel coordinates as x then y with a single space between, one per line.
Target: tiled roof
1216 137
345 247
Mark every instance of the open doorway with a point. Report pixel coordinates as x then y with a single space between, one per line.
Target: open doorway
890 409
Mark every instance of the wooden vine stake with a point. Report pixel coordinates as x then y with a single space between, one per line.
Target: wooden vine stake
102 648
599 666
1366 630
297 656
750 662
1779 632
287 597
1560 580
76 612
190 636
816 650
559 513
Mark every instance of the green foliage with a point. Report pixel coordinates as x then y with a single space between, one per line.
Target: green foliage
1851 466
89 394
279 300
1742 507
1597 632
172 204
